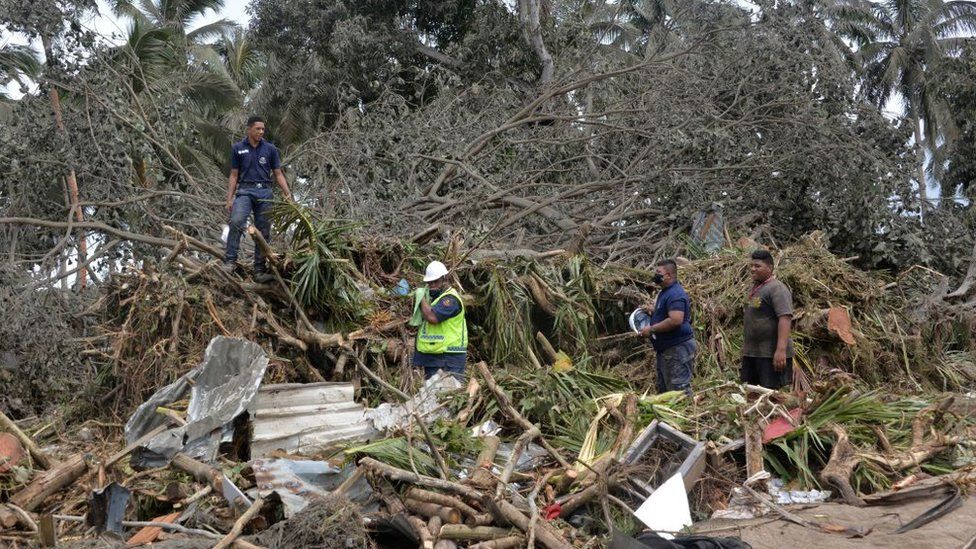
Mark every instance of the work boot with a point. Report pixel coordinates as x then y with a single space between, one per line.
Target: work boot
263 277
229 267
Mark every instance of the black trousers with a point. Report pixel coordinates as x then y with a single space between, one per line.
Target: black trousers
759 371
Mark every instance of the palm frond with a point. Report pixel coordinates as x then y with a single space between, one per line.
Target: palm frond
954 19
216 29
324 277
17 62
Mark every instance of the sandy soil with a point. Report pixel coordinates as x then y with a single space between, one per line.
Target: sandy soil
952 531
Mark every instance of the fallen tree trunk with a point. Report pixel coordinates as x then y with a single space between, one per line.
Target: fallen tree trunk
840 467
447 515
458 532
48 483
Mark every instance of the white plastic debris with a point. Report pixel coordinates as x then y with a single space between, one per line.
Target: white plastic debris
790 497
666 511
425 403
486 429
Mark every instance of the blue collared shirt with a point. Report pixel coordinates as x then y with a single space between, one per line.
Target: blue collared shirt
672 298
254 164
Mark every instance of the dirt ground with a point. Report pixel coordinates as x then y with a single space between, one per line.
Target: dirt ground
949 532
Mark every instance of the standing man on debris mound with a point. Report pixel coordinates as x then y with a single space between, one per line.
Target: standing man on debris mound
249 189
767 348
442 339
670 331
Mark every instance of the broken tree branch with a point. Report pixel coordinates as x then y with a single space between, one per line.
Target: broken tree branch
508 542
369 373
251 512
108 229
544 532
42 459
441 466
459 532
448 515
517 450
505 404
840 467
395 473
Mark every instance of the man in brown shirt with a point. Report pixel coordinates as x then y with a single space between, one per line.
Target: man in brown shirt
767 349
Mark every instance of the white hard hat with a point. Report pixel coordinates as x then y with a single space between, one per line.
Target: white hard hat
435 270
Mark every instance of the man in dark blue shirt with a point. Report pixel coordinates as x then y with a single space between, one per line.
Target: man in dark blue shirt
249 189
670 331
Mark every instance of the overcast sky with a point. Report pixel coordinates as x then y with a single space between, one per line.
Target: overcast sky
108 25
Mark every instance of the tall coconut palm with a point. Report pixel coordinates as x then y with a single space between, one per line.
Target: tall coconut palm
240 67
900 45
164 53
178 15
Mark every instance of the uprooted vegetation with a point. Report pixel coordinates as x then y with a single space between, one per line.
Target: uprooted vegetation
549 347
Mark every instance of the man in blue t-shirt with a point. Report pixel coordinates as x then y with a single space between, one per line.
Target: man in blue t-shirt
670 331
249 189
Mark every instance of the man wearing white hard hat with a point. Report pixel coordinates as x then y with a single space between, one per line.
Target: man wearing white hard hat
442 338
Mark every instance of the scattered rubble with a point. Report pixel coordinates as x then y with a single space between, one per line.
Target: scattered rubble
257 426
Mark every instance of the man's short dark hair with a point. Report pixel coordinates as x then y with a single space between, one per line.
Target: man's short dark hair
764 256
252 120
670 266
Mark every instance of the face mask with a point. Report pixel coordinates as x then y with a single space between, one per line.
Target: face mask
658 278
435 293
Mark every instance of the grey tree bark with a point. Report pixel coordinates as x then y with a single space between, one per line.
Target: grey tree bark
532 30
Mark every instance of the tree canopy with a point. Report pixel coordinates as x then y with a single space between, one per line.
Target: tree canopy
601 124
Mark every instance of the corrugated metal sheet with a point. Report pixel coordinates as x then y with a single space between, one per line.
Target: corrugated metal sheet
298 482
306 418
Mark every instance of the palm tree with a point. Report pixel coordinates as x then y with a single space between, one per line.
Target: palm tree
237 61
900 45
164 55
176 15
17 64
635 26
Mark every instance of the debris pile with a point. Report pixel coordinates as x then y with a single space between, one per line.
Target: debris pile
287 414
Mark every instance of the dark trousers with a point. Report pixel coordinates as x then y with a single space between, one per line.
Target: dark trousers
250 199
760 371
675 366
